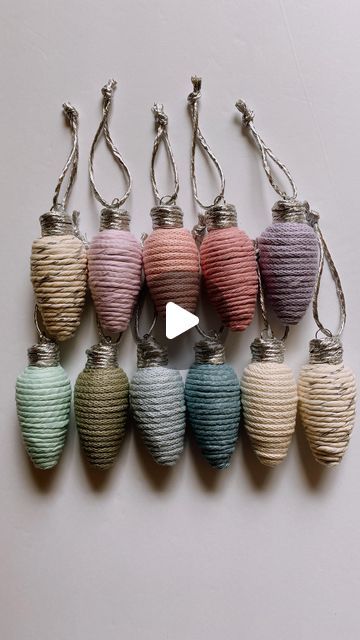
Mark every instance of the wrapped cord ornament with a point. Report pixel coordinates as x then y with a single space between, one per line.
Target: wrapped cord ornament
227 254
115 256
212 396
43 400
58 258
269 396
157 400
171 259
101 401
327 388
288 248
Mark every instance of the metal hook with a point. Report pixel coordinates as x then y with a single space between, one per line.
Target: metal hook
138 311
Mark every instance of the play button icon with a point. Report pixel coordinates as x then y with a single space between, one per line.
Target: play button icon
178 320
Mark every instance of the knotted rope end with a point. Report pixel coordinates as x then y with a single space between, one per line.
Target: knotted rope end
247 114
109 88
195 94
70 112
161 119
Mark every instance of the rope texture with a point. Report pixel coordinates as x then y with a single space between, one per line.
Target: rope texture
229 268
327 396
212 396
269 400
115 260
288 260
43 399
171 264
59 278
158 406
101 409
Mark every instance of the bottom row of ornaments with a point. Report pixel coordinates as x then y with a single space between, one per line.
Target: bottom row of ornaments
210 401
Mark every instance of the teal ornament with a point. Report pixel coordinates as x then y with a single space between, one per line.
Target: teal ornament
157 403
43 399
212 396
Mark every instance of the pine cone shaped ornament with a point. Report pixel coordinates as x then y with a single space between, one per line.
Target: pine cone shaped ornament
288 259
101 405
59 274
115 263
212 396
228 265
327 397
269 400
171 260
43 399
157 403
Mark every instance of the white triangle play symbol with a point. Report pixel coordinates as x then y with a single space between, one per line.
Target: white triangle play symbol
178 320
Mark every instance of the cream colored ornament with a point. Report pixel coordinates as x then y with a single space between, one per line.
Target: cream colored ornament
58 258
269 400
59 275
327 396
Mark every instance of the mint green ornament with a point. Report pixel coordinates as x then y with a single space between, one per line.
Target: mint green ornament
43 399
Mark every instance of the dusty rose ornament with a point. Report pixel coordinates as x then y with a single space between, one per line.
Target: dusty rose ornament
227 255
171 258
115 255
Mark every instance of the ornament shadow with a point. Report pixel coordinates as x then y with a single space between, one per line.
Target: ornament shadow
43 479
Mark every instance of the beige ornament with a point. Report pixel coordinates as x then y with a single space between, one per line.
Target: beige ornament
269 400
327 396
59 275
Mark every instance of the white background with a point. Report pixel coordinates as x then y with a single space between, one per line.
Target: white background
190 554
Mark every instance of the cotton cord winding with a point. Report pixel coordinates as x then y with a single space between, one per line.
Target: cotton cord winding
58 259
327 397
157 403
269 401
171 261
288 259
115 262
101 406
43 399
59 275
212 396
115 256
227 254
228 266
288 249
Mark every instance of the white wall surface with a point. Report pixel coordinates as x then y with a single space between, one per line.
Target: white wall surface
190 554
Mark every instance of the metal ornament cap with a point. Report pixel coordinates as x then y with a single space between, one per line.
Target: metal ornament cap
168 216
56 223
221 216
44 354
114 219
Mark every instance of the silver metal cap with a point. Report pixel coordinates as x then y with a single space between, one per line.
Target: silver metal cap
118 219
